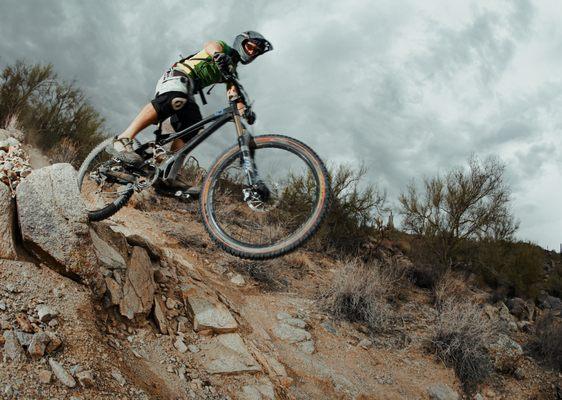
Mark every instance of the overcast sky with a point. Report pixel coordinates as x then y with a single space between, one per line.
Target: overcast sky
409 88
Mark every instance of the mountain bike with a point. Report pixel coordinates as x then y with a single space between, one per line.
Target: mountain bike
262 198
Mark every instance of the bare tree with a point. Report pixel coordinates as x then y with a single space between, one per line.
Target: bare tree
18 84
468 203
53 113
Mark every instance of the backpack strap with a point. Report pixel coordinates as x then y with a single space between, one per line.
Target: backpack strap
198 87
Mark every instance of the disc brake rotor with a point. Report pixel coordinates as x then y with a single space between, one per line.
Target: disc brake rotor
254 200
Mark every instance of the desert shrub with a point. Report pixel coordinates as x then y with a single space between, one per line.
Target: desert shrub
554 281
548 340
516 266
361 293
65 151
465 204
48 109
355 213
192 172
425 275
447 288
459 340
265 273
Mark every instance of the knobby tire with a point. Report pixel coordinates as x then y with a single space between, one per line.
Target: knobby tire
237 248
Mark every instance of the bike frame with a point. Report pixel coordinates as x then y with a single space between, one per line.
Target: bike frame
218 119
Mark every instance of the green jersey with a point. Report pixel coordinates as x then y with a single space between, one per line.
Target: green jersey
202 68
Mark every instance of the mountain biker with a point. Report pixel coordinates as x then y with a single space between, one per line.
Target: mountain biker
175 90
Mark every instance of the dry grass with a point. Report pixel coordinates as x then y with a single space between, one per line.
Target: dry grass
459 340
447 288
65 151
548 342
360 293
266 273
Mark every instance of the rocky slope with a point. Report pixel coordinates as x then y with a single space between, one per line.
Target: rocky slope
143 307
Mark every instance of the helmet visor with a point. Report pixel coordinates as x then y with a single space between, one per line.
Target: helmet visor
259 46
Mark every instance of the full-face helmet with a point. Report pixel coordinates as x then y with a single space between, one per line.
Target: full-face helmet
256 38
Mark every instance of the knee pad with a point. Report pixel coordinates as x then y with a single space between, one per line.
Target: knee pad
177 103
169 103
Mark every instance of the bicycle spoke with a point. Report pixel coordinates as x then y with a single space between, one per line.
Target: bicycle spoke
260 223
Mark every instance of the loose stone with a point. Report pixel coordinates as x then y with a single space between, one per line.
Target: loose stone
45 313
86 378
180 345
44 376
118 377
61 374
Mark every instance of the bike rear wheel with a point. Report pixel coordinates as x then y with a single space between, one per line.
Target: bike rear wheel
263 228
103 197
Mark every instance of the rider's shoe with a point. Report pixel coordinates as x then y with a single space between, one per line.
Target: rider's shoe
122 149
176 188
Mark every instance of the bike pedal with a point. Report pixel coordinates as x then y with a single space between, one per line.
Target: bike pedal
182 194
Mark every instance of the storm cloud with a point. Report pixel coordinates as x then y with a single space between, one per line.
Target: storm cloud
407 88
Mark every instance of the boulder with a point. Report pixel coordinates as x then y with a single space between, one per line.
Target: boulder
263 390
137 239
306 347
11 133
138 290
45 312
38 345
117 239
548 302
54 223
506 353
114 291
7 205
227 354
160 316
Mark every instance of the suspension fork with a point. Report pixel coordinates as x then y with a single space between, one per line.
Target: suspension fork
246 141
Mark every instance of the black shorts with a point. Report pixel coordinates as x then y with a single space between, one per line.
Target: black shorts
181 118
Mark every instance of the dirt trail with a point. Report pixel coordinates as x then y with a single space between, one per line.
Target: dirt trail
337 367
334 359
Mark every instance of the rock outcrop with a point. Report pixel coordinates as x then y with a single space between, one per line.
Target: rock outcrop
171 325
506 353
138 290
209 314
227 354
7 242
54 223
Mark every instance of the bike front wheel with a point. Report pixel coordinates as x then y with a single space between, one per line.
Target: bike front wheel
263 227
